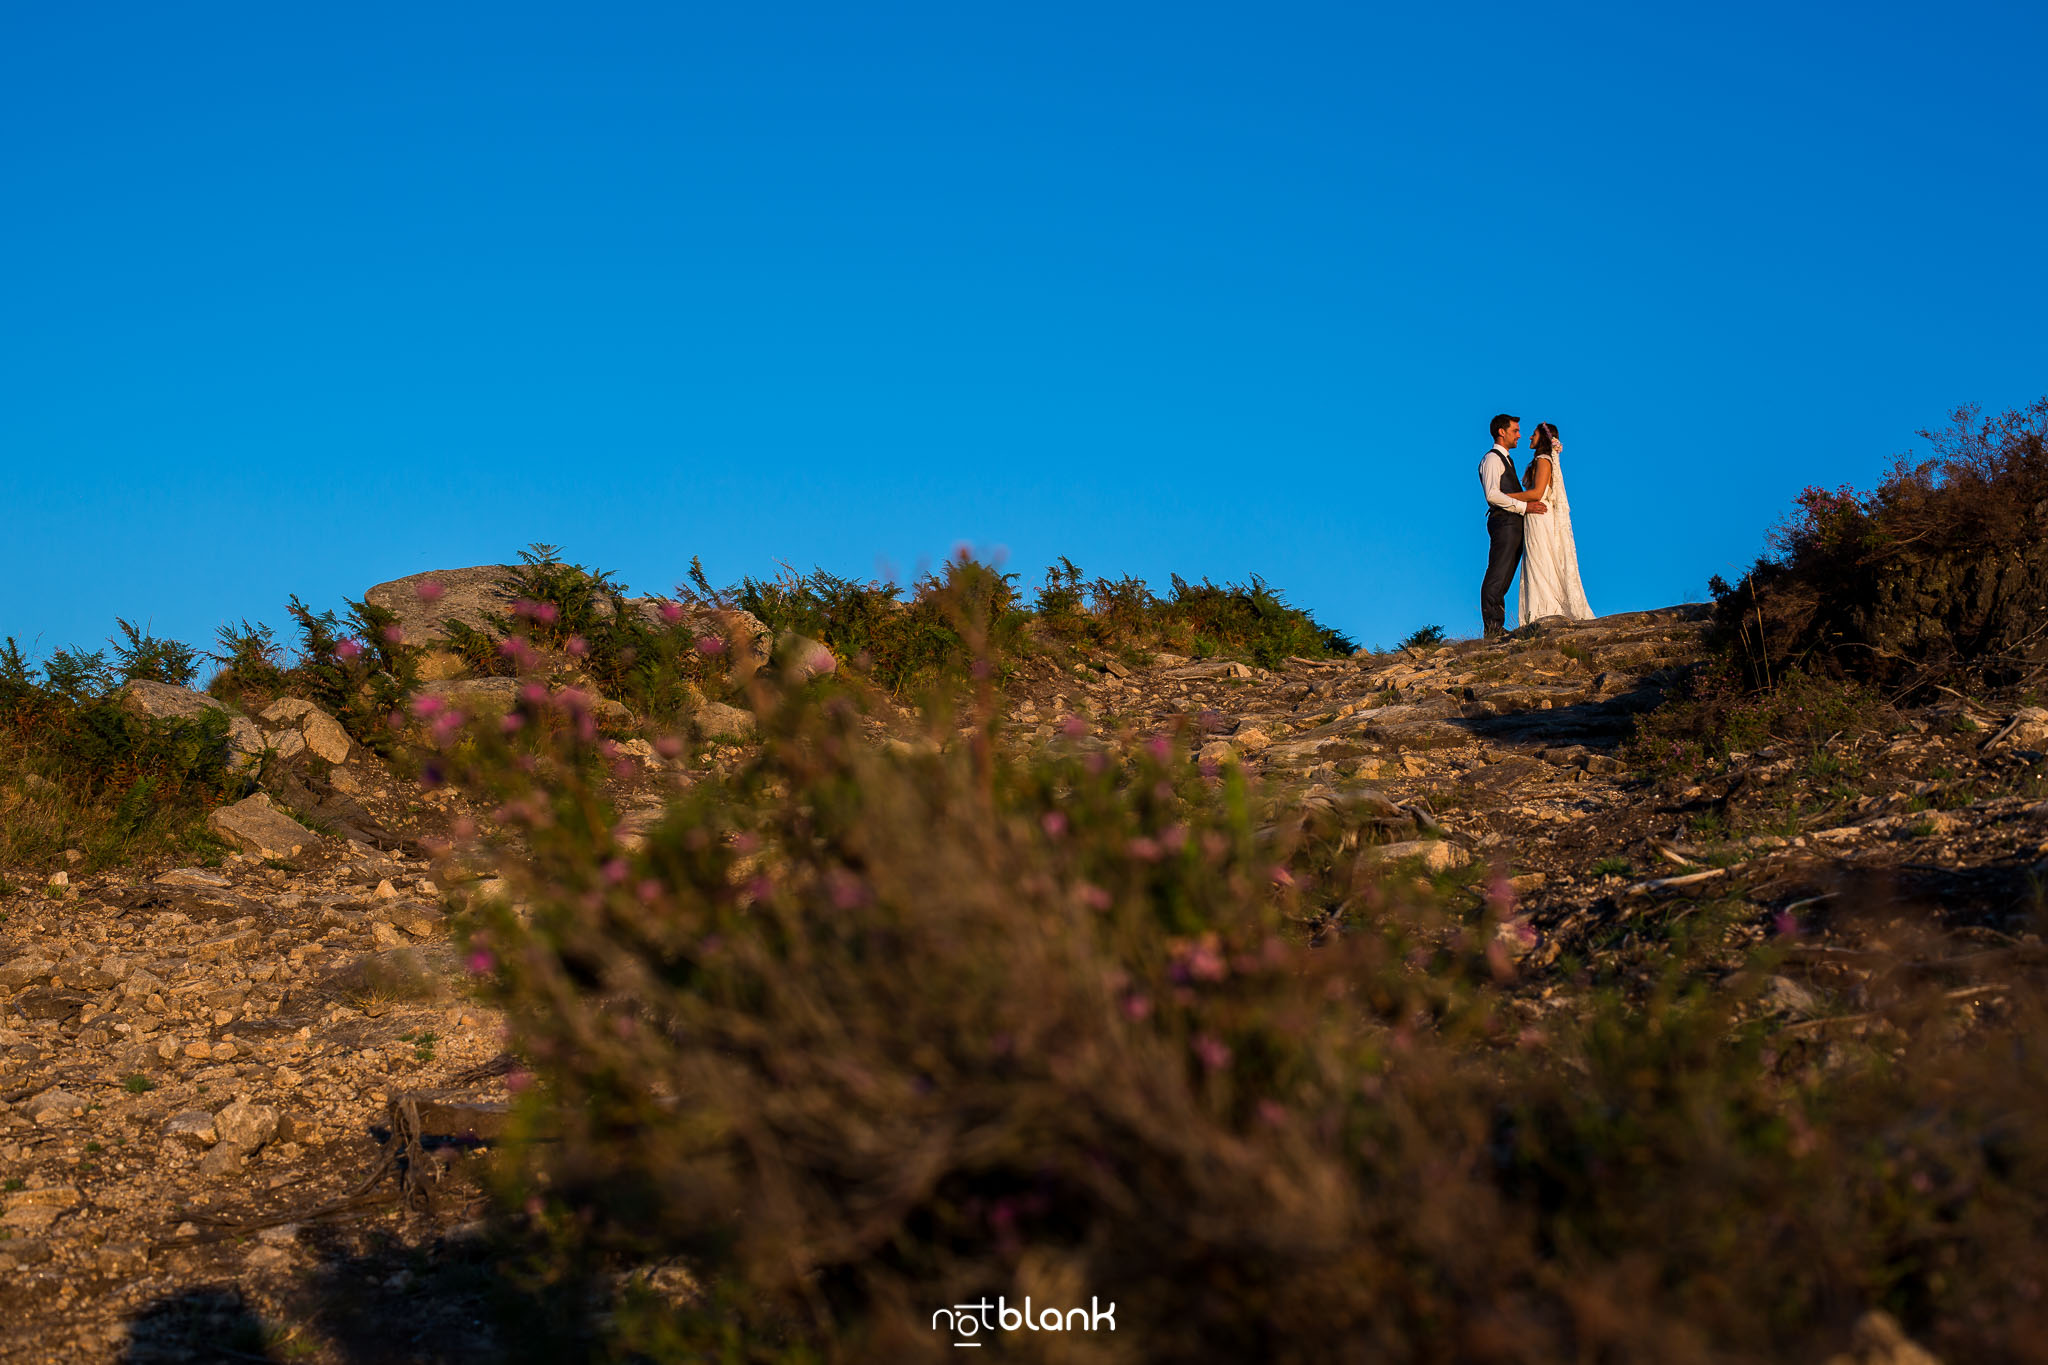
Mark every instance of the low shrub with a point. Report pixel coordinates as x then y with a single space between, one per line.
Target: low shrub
654 657
966 610
78 770
358 669
1204 619
1717 712
1941 570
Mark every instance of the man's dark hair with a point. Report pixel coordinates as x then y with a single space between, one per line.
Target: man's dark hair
1500 424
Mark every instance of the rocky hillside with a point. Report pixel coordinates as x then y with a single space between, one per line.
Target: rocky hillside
240 1099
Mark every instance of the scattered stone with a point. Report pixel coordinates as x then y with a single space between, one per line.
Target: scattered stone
25 970
254 825
161 701
221 1159
287 710
50 1004
1786 996
487 698
33 1211
192 1128
54 1106
246 1126
1437 855
194 876
716 720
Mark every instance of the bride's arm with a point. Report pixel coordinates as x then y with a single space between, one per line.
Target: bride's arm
1539 477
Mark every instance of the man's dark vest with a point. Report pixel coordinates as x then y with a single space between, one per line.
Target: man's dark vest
1510 482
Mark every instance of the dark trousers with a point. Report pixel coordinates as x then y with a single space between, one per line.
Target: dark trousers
1503 557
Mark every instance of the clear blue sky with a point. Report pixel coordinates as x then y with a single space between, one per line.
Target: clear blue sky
299 301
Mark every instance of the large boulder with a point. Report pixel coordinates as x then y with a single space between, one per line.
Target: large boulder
800 658
161 701
467 595
716 720
475 594
254 825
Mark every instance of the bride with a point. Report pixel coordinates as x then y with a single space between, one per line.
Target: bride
1550 558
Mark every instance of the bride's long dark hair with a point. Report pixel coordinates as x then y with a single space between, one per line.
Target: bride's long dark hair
1544 442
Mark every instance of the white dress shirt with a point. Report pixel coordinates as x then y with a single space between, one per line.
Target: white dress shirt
1489 479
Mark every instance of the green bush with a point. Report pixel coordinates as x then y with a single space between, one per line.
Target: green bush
966 610
651 657
1940 570
251 672
356 669
1204 619
78 770
140 656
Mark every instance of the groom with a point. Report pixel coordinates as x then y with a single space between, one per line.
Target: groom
1506 505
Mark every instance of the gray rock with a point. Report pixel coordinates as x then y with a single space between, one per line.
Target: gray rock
194 876
53 1105
802 658
26 970
222 1160
161 701
286 743
467 595
716 720
193 1128
486 697
1783 995
245 1126
1437 855
325 737
254 825
287 710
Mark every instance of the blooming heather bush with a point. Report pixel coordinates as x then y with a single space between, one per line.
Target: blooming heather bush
865 1032
360 670
652 658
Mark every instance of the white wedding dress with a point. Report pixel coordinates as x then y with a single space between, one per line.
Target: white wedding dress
1550 557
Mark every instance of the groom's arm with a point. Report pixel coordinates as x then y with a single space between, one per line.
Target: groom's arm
1489 479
